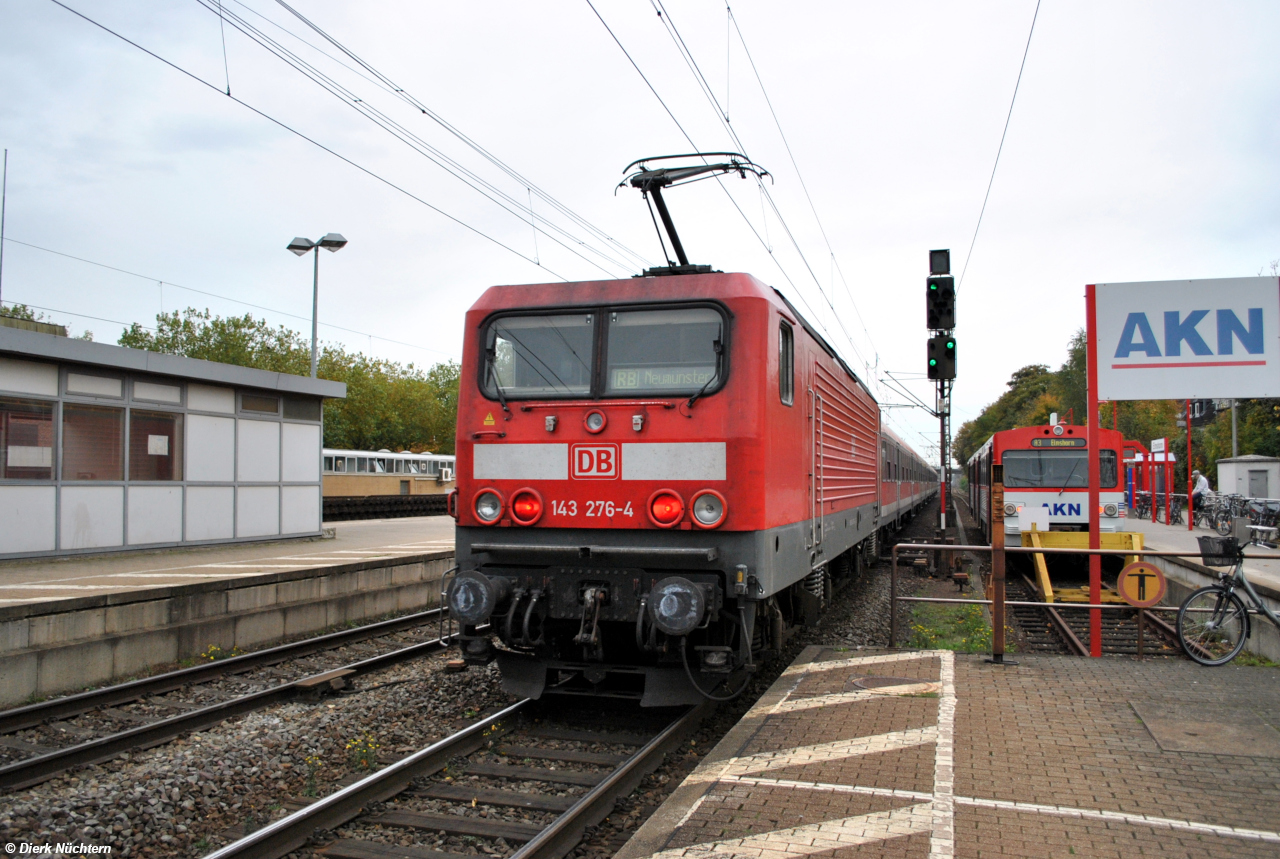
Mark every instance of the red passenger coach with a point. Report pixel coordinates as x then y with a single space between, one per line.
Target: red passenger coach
657 478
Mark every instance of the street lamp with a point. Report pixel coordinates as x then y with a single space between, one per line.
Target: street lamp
333 242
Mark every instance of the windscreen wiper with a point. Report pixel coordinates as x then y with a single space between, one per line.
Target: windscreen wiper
490 356
716 375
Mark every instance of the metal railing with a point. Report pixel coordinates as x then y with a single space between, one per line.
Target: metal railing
1095 606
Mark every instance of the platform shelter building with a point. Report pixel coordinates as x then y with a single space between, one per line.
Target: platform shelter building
104 448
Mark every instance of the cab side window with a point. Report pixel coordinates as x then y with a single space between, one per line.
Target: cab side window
786 364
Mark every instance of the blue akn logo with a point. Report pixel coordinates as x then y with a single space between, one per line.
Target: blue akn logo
1138 335
1062 509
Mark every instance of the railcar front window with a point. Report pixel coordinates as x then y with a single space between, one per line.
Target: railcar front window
1056 469
673 351
539 356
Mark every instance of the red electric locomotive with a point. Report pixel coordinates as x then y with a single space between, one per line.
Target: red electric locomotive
657 478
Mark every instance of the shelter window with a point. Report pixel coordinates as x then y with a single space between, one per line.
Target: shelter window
539 356
786 364
328 463
298 409
26 440
362 464
155 445
664 351
1055 469
92 443
260 404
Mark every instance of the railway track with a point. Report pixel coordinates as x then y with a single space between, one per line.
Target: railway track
1067 630
41 740
520 776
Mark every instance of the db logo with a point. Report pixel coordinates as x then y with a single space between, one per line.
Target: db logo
594 461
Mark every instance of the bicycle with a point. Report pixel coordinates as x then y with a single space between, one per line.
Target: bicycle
1213 622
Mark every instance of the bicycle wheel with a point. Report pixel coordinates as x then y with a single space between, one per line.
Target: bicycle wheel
1213 625
1222 522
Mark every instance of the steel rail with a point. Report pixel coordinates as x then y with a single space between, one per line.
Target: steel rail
71 705
566 831
37 769
1064 629
289 833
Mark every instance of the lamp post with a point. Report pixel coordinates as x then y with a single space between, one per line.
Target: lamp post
332 242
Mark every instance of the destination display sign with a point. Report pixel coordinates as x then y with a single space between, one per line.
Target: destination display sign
1058 442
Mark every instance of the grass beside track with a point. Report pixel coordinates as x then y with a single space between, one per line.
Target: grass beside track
950 627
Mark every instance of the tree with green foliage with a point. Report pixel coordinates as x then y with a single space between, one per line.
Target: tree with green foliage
22 311
388 405
1028 401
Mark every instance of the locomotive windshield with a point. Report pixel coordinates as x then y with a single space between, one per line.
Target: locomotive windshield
673 350
540 355
1053 469
662 351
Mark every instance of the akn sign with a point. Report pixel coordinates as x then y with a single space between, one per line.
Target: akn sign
1188 339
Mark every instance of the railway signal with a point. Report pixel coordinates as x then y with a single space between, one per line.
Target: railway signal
940 318
942 359
941 302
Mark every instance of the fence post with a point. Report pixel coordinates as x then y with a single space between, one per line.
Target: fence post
997 566
893 597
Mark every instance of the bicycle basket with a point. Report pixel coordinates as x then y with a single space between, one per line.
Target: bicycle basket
1219 551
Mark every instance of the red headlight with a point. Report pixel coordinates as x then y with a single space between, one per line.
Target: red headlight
665 508
526 506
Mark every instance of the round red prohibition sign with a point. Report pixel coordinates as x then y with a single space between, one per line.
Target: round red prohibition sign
1141 585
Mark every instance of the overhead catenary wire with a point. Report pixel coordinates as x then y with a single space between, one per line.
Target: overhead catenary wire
164 283
305 137
799 175
723 117
419 145
408 98
694 145
968 256
77 315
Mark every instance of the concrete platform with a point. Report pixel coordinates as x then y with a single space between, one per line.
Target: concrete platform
1059 756
46 579
69 624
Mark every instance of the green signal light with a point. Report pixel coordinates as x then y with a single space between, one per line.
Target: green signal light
933 362
951 344
933 286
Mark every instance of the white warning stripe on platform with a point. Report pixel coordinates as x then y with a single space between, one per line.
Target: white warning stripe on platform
1121 817
791 705
820 753
942 843
816 837
855 661
1263 835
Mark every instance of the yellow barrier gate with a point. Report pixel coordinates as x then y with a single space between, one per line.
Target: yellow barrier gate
1115 541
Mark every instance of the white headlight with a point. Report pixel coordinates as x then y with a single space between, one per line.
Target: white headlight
708 509
1111 510
594 421
1011 509
488 506
676 606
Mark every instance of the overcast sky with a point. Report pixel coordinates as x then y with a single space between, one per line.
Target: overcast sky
1144 145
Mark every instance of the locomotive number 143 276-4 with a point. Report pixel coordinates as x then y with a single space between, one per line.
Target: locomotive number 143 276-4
607 509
